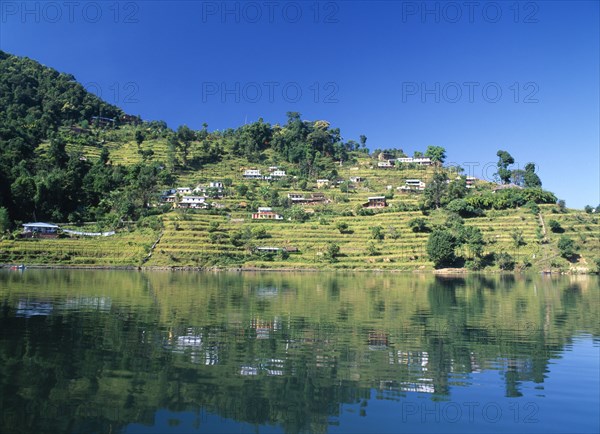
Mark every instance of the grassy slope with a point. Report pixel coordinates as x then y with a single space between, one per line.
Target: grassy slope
185 241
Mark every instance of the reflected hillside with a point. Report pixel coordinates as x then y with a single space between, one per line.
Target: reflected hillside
95 351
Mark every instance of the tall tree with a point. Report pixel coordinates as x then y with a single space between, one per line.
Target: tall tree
437 154
504 160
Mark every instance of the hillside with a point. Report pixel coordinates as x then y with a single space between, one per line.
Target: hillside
61 162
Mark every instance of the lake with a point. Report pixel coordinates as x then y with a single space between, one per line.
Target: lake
162 352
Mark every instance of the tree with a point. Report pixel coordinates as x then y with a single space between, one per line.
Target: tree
371 249
472 237
418 224
4 220
517 237
555 226
437 154
566 247
505 160
342 227
332 251
436 189
377 233
440 247
588 209
505 261
530 178
139 138
562 205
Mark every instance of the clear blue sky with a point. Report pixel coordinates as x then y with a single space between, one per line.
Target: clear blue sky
519 76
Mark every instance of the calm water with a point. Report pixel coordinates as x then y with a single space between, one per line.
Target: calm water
105 351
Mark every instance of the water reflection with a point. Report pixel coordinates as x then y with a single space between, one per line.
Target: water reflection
108 351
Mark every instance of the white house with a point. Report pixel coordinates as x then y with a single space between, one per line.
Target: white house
265 213
192 202
423 161
278 173
387 164
184 190
322 183
412 185
252 174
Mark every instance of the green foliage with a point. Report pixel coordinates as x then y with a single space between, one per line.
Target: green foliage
440 247
566 247
418 224
562 206
437 154
555 226
372 249
4 220
332 251
530 178
588 209
463 208
435 190
505 261
533 207
377 233
517 237
510 198
213 226
297 214
342 227
504 160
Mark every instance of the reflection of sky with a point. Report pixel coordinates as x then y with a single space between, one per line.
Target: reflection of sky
570 393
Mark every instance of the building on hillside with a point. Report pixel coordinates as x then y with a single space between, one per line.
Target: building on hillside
386 164
471 181
506 187
40 230
266 213
322 183
252 174
422 161
313 198
215 187
357 179
412 185
278 174
183 190
375 202
191 202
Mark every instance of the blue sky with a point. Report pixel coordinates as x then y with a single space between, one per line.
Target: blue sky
471 77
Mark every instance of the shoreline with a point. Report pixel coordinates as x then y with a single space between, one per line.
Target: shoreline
445 272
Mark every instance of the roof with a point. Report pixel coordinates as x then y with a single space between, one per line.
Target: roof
376 198
40 225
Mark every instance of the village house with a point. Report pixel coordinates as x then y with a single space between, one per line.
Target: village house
40 230
312 198
357 179
215 186
266 213
386 164
252 174
322 183
183 190
375 202
471 181
191 202
412 185
422 161
277 174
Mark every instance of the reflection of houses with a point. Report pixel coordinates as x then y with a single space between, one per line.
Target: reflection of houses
29 308
377 341
40 230
265 213
412 185
375 202
264 328
312 198
422 161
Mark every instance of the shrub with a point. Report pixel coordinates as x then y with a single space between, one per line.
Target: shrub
371 249
342 227
332 252
418 224
555 226
566 247
505 261
377 233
